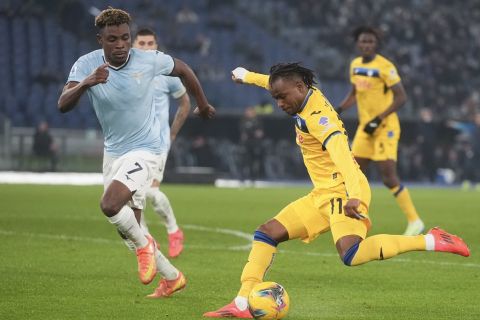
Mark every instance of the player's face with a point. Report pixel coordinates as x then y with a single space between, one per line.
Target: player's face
116 43
289 94
367 44
145 43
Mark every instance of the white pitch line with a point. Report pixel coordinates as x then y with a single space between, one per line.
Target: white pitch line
57 237
236 233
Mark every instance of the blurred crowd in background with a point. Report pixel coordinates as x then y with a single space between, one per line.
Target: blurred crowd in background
434 44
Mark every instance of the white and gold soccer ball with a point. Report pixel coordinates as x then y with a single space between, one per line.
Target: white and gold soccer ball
269 301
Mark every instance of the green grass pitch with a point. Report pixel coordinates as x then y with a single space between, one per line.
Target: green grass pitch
61 259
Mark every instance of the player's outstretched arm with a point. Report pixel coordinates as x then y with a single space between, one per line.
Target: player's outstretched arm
242 75
183 110
183 71
74 90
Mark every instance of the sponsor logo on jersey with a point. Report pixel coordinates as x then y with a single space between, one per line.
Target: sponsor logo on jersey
323 121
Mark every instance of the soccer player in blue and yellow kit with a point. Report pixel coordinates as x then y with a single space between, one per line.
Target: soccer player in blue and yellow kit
340 198
378 91
119 82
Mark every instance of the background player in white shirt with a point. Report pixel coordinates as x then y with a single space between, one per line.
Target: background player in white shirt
118 81
146 39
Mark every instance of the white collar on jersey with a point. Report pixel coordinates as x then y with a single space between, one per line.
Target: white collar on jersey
119 67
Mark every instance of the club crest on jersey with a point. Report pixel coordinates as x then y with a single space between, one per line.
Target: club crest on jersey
323 121
390 134
300 138
137 76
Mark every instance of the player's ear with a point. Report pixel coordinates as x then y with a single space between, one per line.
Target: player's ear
300 85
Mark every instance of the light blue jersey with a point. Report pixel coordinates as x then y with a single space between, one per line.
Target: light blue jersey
125 104
164 88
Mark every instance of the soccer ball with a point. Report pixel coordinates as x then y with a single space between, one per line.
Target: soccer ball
269 301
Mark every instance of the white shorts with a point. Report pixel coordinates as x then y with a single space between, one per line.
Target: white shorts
161 161
135 170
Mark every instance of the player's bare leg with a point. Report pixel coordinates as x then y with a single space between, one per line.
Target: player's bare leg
113 205
161 205
363 163
264 247
388 171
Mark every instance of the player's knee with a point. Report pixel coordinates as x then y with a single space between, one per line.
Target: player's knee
266 229
390 180
347 247
272 231
109 208
348 255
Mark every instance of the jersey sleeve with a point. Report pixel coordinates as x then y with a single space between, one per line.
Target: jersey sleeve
164 63
175 87
341 155
257 79
323 127
389 75
79 71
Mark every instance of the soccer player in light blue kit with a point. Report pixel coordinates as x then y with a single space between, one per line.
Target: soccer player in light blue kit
166 87
118 81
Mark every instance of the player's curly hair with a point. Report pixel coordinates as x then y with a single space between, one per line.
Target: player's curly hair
287 70
112 17
367 29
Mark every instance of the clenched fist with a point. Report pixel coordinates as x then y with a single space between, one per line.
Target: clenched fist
99 75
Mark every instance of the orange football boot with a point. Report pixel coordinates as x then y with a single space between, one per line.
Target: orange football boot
446 242
229 311
175 243
168 287
147 265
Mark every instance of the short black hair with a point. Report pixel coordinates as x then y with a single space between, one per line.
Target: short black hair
112 17
146 32
287 70
367 29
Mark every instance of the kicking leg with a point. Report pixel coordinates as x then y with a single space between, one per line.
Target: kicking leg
354 251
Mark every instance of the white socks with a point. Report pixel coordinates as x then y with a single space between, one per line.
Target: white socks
164 267
162 206
143 224
125 221
429 242
241 303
